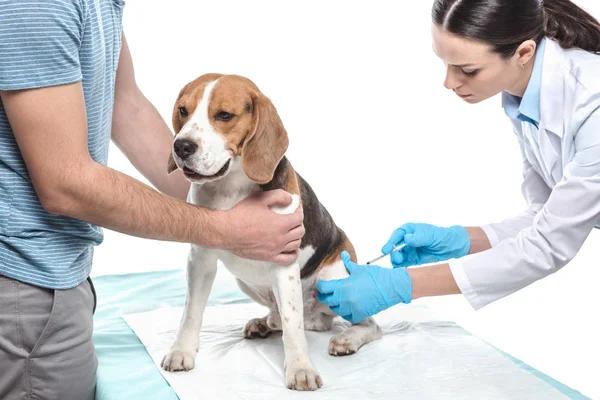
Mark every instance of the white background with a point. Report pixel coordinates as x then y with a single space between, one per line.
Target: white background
379 139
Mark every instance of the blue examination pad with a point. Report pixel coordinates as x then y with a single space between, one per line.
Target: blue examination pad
126 371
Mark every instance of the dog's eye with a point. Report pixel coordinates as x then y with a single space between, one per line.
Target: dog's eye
183 111
223 116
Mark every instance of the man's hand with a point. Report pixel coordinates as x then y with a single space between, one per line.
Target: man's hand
252 230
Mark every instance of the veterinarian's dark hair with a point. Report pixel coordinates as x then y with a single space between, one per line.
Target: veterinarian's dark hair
505 24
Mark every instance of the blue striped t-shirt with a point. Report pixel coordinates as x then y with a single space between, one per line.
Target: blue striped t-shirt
48 43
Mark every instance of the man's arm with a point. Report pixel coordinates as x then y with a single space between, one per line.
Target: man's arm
51 130
141 134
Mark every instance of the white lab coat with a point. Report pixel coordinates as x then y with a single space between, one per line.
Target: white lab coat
561 184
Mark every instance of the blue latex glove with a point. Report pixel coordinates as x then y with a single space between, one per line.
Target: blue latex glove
368 290
427 244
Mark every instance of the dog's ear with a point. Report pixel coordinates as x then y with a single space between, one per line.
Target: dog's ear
266 143
175 118
171 165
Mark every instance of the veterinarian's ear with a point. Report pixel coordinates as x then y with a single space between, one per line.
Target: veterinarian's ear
266 144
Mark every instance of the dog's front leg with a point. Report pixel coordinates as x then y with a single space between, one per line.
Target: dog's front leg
299 372
201 271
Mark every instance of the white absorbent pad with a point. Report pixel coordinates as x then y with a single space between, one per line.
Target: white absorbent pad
418 357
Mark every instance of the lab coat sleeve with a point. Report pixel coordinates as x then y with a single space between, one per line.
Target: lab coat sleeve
553 239
536 193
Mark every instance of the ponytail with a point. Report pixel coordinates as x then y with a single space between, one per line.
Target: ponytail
571 26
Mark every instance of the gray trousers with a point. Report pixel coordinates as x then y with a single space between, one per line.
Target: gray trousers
46 348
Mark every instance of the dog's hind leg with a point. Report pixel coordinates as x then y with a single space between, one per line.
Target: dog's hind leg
350 340
257 328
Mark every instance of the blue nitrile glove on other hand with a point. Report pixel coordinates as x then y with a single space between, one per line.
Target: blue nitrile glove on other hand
427 244
368 290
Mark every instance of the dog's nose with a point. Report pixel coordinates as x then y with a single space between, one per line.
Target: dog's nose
184 148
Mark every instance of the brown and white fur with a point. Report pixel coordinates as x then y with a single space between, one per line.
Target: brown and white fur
237 148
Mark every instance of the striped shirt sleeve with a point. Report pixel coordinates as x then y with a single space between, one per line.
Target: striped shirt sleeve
39 43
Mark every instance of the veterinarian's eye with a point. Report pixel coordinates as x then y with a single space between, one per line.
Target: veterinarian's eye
469 73
223 116
183 111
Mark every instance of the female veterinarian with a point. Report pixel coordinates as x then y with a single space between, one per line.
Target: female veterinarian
543 57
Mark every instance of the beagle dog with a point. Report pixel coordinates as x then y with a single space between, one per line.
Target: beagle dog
230 143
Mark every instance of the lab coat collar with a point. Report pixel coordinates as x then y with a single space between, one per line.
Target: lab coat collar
545 89
553 89
530 104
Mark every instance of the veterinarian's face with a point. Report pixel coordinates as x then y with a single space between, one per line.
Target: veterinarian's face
473 71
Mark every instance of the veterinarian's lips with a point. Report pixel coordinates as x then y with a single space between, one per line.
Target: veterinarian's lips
194 174
463 96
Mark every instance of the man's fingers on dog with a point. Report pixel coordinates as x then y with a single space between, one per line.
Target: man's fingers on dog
296 218
292 246
277 197
296 233
286 258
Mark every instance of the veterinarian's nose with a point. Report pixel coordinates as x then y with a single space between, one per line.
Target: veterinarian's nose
184 148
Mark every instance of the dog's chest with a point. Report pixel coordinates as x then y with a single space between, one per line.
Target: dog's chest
258 277
257 274
223 194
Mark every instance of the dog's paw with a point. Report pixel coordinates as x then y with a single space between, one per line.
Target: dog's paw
302 378
257 328
179 360
344 344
